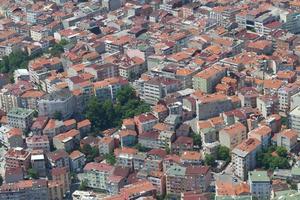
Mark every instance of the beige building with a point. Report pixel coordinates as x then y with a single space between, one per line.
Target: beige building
207 79
232 135
287 139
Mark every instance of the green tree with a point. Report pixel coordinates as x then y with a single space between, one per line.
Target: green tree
1 180
33 173
124 94
110 158
223 153
197 139
83 185
209 160
57 115
90 152
281 151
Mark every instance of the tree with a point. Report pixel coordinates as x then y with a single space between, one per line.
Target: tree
83 185
110 158
223 153
197 139
57 115
33 173
90 152
281 151
124 94
1 180
209 160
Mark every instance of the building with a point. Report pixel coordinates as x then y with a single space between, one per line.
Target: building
294 119
61 101
38 142
244 157
59 158
263 134
96 175
211 105
15 138
285 94
145 122
181 144
287 139
128 137
17 157
38 163
62 174
77 161
20 118
106 145
260 184
158 87
268 105
184 179
67 141
207 79
232 135
55 190
25 189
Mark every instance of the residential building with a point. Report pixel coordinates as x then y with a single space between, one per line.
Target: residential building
106 145
244 157
294 119
181 144
58 158
128 137
263 134
96 175
67 141
20 118
55 190
15 138
145 122
61 101
287 139
285 94
233 135
260 184
207 79
17 157
184 179
38 142
38 163
77 161
62 174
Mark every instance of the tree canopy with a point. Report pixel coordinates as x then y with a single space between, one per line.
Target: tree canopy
209 160
223 153
267 160
90 152
104 115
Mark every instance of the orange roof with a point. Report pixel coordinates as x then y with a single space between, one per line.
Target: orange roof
32 94
229 189
289 133
262 131
183 72
248 145
14 132
234 129
124 133
190 155
210 72
273 84
69 122
128 122
75 154
83 123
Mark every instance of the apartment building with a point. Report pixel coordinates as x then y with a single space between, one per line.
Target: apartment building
294 119
207 79
103 71
62 174
287 139
211 105
260 184
96 174
67 141
263 134
38 142
158 87
25 189
20 118
17 157
184 179
58 158
61 101
285 94
244 157
145 122
106 145
232 135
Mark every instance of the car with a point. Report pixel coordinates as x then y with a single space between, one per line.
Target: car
234 179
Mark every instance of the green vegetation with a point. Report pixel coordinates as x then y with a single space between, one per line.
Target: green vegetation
110 158
57 48
90 152
57 115
83 185
33 173
1 180
104 115
266 160
197 139
209 160
16 60
223 153
141 148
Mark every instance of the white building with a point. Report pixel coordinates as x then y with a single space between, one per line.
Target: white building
244 157
294 119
